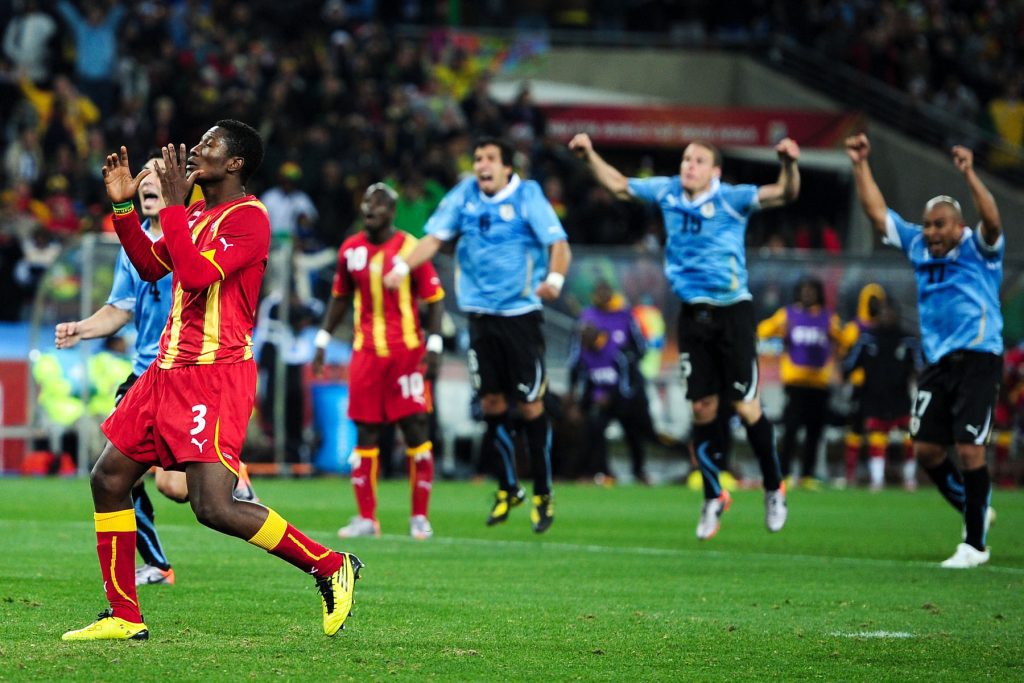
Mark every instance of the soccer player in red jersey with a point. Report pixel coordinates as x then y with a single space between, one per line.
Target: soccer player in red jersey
387 377
189 410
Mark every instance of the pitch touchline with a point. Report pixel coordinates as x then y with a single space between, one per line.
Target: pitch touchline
680 552
654 552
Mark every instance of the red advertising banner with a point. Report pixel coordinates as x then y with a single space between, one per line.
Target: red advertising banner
672 126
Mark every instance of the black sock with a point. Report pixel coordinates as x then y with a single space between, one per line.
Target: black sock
761 436
538 443
146 540
707 446
977 489
950 483
499 442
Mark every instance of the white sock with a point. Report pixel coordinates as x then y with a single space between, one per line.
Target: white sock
876 467
910 470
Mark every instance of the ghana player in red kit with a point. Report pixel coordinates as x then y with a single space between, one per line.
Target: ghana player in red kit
392 365
189 410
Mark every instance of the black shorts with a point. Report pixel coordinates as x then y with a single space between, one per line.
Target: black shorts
506 356
125 386
956 398
718 351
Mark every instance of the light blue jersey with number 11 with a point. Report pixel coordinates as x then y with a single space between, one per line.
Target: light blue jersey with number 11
957 294
705 256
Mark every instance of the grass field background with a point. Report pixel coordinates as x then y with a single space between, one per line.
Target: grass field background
619 589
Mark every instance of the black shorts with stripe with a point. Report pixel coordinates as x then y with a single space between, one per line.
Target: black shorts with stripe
956 398
718 351
506 356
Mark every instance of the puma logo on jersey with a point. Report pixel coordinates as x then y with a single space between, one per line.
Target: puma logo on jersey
225 243
199 444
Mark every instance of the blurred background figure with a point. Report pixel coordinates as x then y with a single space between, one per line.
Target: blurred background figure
810 335
889 358
605 362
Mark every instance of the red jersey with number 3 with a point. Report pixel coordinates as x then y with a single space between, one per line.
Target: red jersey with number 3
214 325
385 320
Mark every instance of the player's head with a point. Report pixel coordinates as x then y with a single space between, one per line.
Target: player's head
231 149
810 292
151 198
378 207
943 224
603 294
492 164
701 163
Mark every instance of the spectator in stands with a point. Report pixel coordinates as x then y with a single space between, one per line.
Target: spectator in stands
23 158
95 36
27 40
64 114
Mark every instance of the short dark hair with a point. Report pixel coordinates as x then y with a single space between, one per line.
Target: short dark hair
814 283
503 146
243 141
716 154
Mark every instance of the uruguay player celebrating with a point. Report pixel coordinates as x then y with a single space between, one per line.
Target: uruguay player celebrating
958 272
705 263
512 254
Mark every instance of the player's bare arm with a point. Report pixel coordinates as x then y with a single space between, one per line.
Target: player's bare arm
559 256
991 226
787 188
117 178
606 174
425 249
336 312
103 323
858 148
175 182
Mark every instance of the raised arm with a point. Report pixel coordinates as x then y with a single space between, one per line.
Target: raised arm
606 174
871 200
991 227
103 323
787 188
121 189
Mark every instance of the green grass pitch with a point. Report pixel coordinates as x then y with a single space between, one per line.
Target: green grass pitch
619 589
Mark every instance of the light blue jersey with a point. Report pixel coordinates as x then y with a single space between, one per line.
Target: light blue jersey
957 294
503 244
149 302
705 257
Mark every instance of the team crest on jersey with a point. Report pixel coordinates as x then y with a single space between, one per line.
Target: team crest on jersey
707 210
507 212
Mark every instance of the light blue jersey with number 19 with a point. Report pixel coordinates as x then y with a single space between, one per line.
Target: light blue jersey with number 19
705 257
957 294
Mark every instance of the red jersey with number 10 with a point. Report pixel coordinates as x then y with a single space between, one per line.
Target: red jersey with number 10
214 324
385 320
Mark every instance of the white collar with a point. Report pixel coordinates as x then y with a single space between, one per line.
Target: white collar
505 193
703 196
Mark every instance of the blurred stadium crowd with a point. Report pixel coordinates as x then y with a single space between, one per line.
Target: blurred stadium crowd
343 100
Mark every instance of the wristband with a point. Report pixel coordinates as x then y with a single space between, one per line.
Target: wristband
398 265
124 208
322 339
556 280
435 344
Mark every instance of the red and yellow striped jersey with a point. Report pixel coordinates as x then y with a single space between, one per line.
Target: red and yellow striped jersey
213 324
384 320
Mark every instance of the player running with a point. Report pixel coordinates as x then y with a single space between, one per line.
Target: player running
149 303
190 409
705 263
958 271
512 254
